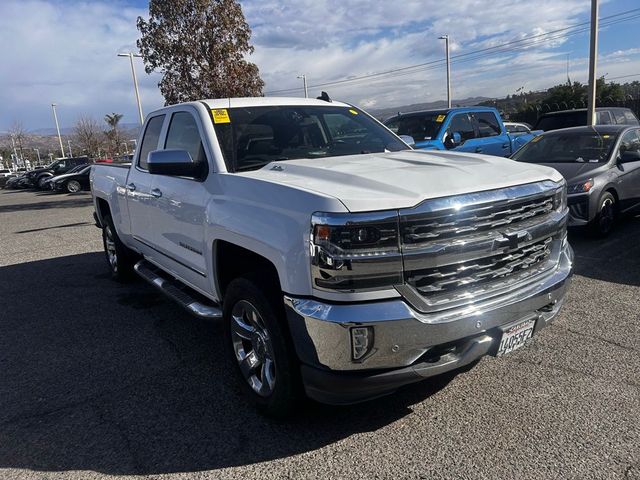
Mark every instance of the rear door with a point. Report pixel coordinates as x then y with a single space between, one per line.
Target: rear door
629 184
179 214
493 140
140 202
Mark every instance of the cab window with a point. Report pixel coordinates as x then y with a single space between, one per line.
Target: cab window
462 124
183 134
488 125
150 139
630 142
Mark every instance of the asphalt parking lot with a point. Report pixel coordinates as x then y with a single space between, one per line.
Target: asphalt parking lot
99 378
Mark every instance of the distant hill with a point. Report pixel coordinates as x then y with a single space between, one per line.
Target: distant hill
385 113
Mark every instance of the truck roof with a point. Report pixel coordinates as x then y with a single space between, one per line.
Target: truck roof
269 102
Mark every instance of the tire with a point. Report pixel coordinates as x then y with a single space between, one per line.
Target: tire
605 219
40 182
259 345
120 259
73 186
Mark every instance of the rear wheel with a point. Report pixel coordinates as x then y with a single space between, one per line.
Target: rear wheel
119 258
605 219
259 345
73 186
41 181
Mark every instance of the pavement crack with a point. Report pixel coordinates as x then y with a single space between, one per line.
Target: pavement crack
602 339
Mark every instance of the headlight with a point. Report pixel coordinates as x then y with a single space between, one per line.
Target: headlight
560 198
355 252
582 187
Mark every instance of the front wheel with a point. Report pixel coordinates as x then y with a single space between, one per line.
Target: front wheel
120 258
41 181
73 186
259 345
605 219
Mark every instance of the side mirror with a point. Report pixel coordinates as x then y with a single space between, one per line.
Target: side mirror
408 139
177 163
453 140
629 156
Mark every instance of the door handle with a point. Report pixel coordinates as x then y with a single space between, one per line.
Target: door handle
131 187
478 149
156 193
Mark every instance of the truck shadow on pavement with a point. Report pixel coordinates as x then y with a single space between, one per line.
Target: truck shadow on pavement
23 207
113 378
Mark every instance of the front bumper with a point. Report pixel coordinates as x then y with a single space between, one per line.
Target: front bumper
408 345
581 210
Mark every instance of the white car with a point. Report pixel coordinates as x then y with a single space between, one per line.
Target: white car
342 263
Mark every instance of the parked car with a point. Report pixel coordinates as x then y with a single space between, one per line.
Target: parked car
517 127
36 178
5 172
465 129
601 165
341 261
74 181
578 118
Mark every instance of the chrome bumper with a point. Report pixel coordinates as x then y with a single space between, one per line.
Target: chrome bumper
321 331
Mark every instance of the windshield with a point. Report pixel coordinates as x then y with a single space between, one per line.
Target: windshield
570 147
255 136
421 127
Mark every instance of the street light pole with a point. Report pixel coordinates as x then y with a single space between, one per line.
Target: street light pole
135 81
304 83
55 117
126 148
593 54
69 143
15 152
38 152
446 44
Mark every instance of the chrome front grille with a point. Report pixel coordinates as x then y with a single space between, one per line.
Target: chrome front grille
471 273
465 248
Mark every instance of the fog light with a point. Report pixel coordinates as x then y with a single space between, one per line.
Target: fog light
361 342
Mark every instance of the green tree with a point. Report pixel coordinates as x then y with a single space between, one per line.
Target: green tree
113 134
199 46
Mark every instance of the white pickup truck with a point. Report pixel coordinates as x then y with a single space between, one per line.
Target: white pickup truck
343 263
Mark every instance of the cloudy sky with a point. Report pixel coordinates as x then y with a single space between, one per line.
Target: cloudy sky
64 51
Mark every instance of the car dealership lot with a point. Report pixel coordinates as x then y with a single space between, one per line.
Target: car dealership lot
100 378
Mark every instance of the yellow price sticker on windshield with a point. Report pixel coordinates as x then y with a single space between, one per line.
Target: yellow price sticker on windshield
220 116
440 118
353 112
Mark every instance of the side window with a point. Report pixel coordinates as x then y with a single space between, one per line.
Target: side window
630 141
603 118
183 134
462 124
630 118
150 139
488 125
619 116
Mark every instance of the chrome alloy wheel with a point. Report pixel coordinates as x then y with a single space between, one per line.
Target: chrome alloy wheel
253 349
110 248
73 186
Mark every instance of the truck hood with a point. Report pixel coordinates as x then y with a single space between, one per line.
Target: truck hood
384 181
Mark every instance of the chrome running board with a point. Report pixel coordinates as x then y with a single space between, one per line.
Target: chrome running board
187 298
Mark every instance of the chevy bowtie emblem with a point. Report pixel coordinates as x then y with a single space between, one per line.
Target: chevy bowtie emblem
513 239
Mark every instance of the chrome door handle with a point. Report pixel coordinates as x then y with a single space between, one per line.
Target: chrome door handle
131 187
156 193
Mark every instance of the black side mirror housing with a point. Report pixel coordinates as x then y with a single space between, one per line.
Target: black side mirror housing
176 163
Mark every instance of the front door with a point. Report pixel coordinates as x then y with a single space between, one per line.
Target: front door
494 140
462 123
179 217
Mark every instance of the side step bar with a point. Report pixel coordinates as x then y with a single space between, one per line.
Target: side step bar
191 301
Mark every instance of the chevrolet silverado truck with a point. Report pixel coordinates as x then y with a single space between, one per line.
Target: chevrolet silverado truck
342 263
464 129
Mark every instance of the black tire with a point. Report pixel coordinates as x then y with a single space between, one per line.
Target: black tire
73 186
120 259
280 399
605 219
40 182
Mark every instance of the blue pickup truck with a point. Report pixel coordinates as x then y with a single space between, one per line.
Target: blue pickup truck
466 129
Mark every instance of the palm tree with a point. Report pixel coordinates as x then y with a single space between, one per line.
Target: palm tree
113 134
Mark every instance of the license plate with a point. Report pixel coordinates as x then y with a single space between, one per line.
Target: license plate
515 336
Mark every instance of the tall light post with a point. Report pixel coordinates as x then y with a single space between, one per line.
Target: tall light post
15 152
126 148
446 45
38 152
304 83
69 143
135 81
593 54
55 117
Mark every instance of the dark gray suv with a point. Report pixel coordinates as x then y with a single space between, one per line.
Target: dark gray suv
575 118
601 165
